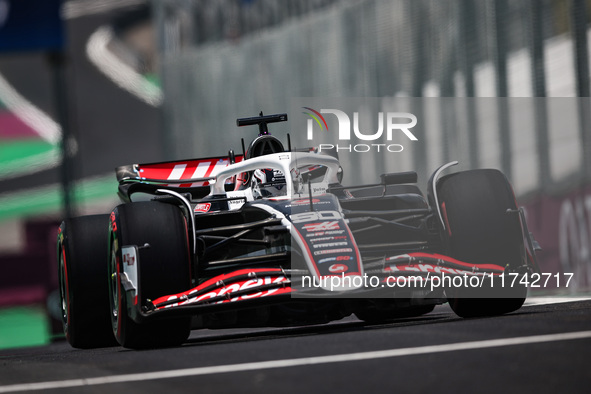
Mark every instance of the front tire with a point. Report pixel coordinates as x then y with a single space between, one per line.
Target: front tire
164 268
483 227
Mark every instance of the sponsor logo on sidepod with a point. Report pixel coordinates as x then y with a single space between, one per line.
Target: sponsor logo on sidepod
337 258
331 244
320 234
343 250
327 239
338 268
313 227
203 207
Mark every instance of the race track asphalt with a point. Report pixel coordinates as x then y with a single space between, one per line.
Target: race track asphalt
538 349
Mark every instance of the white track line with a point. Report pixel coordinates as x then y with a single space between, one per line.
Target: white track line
40 123
43 124
120 73
533 301
36 119
273 364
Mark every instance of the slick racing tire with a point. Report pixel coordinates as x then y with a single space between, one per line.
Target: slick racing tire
82 275
160 230
483 227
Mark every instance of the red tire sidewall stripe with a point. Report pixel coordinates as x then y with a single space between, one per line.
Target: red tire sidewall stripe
68 301
114 227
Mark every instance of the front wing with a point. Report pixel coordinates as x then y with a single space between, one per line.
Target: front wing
245 288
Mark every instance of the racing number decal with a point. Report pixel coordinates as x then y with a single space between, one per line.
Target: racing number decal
315 216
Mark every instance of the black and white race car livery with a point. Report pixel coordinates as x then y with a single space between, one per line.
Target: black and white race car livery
272 238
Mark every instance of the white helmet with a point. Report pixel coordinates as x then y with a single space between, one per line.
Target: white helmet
267 182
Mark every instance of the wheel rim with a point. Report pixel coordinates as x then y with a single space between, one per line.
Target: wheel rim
114 288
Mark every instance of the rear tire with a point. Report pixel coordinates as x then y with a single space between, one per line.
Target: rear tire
479 230
164 269
82 274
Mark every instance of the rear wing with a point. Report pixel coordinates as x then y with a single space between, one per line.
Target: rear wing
190 176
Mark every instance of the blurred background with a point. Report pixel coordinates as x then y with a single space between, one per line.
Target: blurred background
88 85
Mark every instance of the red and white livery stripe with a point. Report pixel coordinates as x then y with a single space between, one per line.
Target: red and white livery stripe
190 169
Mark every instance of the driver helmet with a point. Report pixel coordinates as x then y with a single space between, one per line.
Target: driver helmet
268 182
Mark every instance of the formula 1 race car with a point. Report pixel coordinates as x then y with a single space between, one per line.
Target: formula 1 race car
272 238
